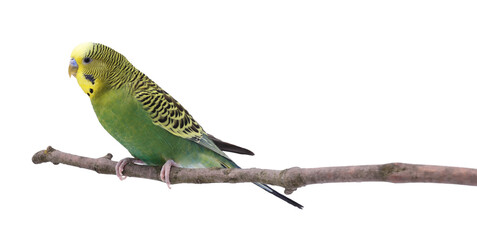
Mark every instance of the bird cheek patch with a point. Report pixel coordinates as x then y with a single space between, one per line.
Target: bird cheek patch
89 78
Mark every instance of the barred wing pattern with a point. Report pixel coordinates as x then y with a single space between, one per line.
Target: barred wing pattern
169 114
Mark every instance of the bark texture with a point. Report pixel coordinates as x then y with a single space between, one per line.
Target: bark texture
291 178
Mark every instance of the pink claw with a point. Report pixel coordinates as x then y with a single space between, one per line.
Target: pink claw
166 170
122 163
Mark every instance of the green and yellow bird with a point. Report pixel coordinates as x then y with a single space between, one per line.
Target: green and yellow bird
144 118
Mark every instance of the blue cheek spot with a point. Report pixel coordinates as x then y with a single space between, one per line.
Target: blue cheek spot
89 78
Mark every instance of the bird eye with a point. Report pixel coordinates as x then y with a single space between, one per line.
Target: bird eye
86 60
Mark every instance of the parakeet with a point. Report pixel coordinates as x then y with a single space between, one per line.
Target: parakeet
144 118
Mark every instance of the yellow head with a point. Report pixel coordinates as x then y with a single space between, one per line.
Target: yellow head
95 65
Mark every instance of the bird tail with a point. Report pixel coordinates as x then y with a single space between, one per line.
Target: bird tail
279 195
228 163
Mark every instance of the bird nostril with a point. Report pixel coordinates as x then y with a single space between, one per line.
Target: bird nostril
73 63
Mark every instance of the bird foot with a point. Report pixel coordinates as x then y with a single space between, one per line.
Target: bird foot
122 163
166 170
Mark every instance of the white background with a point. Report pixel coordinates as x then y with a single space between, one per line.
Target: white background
301 83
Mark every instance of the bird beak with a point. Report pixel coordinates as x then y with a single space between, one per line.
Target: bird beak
73 68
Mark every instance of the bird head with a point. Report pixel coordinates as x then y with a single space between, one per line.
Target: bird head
92 64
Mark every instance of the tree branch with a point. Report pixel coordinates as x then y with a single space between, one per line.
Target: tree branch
290 179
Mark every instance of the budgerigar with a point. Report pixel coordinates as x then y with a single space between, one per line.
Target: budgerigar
144 118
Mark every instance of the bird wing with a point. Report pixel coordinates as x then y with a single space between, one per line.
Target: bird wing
169 114
225 146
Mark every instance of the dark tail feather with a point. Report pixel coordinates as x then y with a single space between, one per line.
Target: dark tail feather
279 195
227 163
